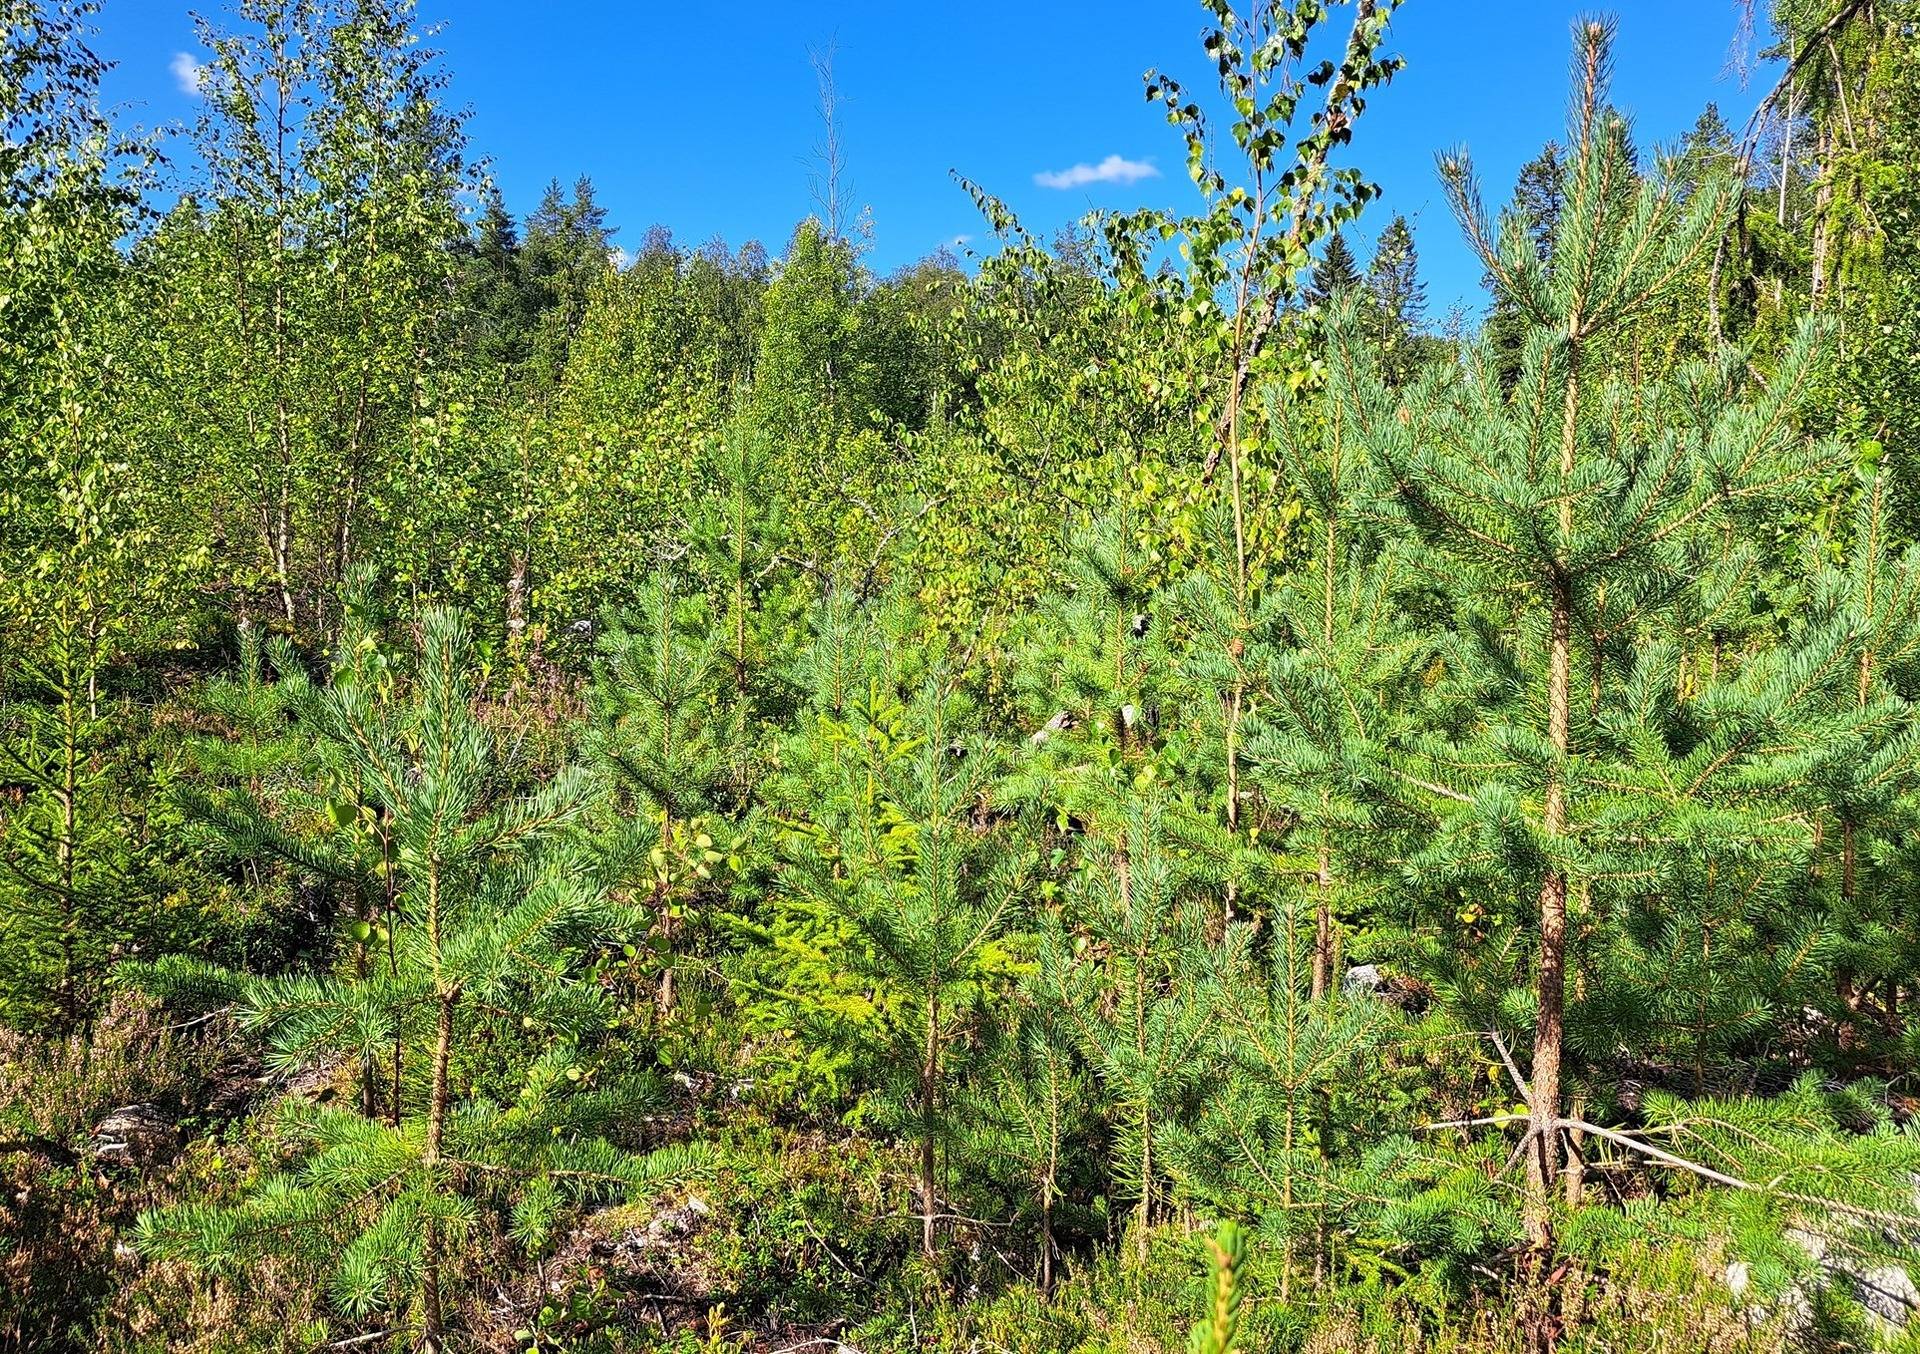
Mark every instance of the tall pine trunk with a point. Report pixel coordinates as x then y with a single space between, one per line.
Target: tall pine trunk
1550 979
1550 974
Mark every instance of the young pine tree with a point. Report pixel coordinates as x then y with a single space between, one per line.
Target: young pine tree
1340 663
1570 518
1864 622
843 685
661 736
486 922
1030 1109
1218 1332
67 866
73 558
1121 956
927 893
1096 679
1126 962
734 538
1262 1141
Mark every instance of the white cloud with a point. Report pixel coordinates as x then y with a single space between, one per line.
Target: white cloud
188 73
1113 169
619 258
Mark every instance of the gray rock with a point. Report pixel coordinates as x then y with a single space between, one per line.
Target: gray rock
139 1136
663 1232
1811 1244
1363 978
1888 1293
1060 723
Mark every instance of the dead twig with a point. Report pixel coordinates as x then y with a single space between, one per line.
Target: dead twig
1513 1069
1907 1221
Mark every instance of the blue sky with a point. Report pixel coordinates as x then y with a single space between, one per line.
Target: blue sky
700 117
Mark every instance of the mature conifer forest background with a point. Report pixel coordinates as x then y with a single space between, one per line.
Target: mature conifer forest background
1137 792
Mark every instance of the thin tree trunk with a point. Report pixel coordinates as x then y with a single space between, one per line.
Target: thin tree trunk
1046 1241
929 1089
1322 979
1321 990
391 920
1786 173
1822 220
369 1071
66 851
283 538
1786 157
1047 1180
1292 993
1323 859
1550 982
739 654
343 523
1550 978
433 1334
1123 866
1236 478
1144 1212
663 1003
1235 699
1849 846
93 664
666 660
520 557
516 599
1716 322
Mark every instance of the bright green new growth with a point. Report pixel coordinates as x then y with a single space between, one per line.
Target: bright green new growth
925 890
1218 1332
